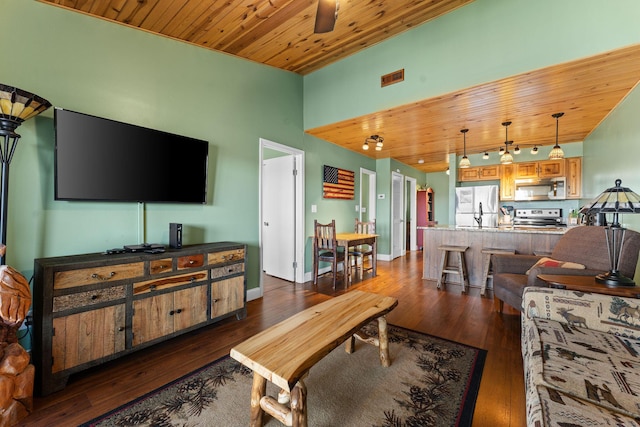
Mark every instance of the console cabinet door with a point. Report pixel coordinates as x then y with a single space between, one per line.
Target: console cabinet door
164 314
84 337
227 296
190 307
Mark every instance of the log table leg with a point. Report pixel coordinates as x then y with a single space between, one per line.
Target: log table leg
383 337
258 389
299 404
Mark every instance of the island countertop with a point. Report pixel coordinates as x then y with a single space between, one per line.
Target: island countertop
508 229
525 240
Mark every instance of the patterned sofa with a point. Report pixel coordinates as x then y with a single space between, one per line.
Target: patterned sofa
581 354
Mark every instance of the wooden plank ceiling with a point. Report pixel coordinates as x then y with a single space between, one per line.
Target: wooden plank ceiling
279 33
584 90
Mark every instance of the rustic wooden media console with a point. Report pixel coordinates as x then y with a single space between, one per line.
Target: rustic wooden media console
92 308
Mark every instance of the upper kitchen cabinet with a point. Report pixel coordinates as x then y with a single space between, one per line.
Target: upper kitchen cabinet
574 177
480 173
542 169
507 182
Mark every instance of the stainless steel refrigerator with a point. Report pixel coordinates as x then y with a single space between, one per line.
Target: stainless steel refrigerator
472 201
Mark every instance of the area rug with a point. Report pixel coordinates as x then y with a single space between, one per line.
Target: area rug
431 382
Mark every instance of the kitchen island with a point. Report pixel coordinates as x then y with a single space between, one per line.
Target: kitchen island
525 240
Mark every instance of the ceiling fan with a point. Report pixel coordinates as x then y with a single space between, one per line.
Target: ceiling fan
326 15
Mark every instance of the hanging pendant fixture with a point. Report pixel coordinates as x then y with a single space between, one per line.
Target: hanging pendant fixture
556 152
506 157
464 162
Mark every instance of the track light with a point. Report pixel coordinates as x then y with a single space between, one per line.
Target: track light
534 150
374 139
516 150
485 155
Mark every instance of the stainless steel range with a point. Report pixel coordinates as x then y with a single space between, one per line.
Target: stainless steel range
546 217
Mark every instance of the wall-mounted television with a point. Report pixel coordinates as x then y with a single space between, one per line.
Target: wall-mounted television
98 159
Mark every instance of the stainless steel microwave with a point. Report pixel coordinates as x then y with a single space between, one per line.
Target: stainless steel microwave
541 189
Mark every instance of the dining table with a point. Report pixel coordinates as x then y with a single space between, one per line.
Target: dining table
350 240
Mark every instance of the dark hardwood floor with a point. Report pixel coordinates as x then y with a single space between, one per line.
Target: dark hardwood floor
468 319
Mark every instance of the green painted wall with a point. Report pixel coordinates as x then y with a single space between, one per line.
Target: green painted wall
89 65
484 41
93 66
612 151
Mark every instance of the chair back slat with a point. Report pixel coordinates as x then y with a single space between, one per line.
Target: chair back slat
365 227
325 235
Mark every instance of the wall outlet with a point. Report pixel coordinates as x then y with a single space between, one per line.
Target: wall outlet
314 208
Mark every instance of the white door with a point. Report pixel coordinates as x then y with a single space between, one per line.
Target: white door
397 215
278 217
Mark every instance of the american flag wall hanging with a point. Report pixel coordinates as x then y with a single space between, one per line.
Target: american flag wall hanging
337 183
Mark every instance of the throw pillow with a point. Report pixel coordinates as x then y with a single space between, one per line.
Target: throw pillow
549 262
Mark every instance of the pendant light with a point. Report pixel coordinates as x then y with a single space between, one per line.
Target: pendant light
556 152
506 158
464 162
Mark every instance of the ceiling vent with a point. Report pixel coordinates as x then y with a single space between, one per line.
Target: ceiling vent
391 78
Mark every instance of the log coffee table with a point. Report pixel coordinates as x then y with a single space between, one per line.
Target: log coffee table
284 353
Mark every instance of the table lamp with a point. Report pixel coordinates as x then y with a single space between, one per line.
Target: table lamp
615 200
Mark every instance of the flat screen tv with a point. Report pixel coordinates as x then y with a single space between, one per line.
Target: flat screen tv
98 159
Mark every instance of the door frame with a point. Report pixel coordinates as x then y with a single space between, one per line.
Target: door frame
299 239
411 207
371 196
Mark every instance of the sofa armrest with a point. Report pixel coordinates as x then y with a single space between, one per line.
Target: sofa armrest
608 313
516 264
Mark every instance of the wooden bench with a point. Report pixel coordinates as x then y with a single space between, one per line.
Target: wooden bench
284 353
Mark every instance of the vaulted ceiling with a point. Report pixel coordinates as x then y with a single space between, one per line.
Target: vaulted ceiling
280 33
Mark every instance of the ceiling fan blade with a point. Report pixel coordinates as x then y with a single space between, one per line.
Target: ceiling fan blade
326 16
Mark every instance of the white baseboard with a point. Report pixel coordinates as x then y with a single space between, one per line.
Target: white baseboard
254 293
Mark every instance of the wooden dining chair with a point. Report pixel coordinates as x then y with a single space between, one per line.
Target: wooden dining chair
326 249
364 251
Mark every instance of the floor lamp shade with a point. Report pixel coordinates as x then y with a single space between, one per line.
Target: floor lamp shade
615 200
16 106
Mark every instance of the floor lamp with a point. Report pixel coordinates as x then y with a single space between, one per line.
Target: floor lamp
16 106
615 200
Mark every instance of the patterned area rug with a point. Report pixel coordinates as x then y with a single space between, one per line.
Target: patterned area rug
431 382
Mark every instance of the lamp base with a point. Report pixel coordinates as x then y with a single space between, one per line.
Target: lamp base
613 279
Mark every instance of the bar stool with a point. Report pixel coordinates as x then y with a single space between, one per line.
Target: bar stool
460 269
486 264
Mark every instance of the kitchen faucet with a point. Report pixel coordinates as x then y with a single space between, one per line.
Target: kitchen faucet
479 217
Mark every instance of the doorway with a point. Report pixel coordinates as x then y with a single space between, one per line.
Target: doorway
281 212
397 215
411 213
367 195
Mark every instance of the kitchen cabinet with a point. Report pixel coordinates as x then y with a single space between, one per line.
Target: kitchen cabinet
92 308
541 169
480 173
574 177
507 182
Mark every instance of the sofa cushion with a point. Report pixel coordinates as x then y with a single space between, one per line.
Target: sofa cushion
550 262
547 407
